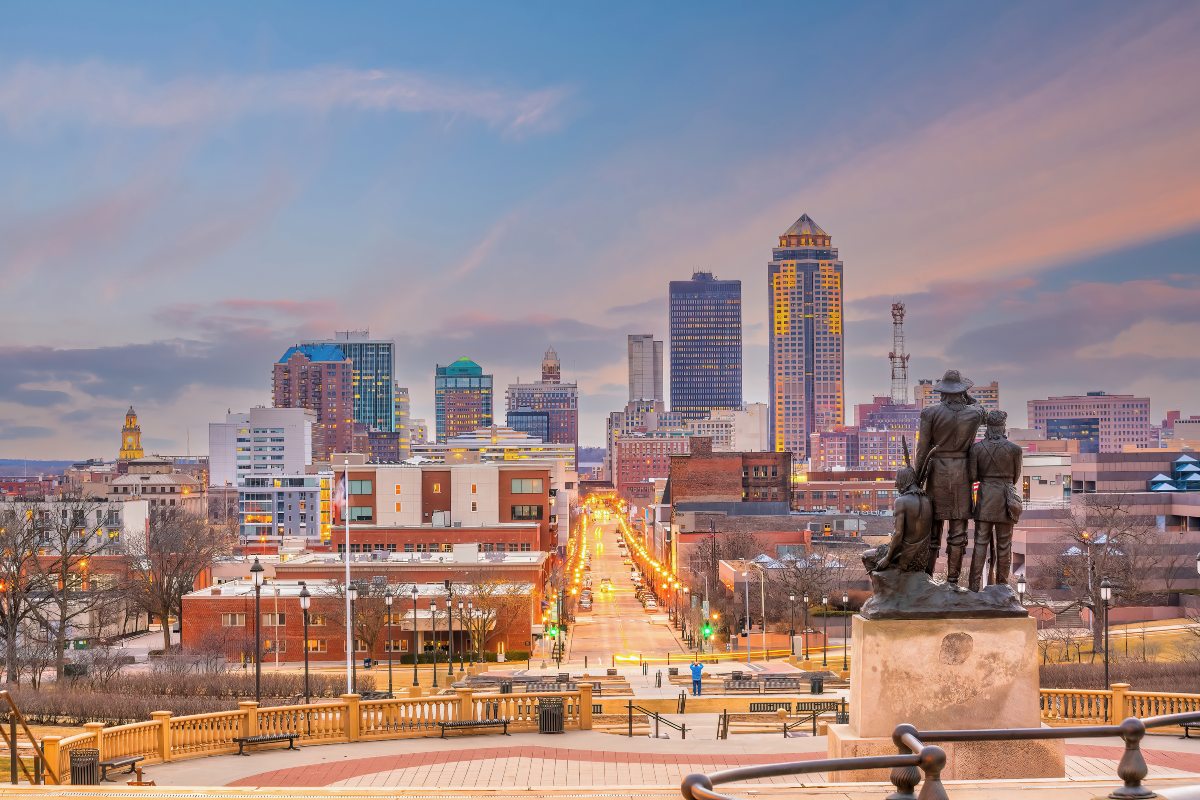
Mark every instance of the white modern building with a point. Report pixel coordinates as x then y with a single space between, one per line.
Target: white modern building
263 441
743 430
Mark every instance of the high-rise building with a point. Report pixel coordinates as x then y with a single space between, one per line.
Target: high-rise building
403 412
263 441
1101 422
741 430
706 345
131 438
550 396
319 377
462 398
374 383
807 365
645 368
986 394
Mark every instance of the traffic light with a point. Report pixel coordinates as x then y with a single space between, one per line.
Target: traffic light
552 631
707 630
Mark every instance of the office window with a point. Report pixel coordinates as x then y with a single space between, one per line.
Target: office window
318 646
359 645
361 514
316 619
526 485
270 619
398 509
396 646
526 512
233 620
474 506
360 487
437 488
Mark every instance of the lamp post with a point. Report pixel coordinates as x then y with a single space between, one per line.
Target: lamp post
416 636
746 586
351 597
1105 596
462 664
845 631
449 632
824 630
805 599
792 622
433 627
471 630
305 604
387 602
256 572
1021 588
687 606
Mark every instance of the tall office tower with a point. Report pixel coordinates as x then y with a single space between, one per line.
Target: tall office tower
706 345
645 368
319 377
403 413
807 365
558 401
462 398
374 383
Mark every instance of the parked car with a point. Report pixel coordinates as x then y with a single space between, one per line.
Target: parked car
651 605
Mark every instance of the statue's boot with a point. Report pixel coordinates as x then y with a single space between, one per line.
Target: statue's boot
954 559
1003 566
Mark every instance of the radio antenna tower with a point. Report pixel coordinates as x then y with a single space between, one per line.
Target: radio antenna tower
898 357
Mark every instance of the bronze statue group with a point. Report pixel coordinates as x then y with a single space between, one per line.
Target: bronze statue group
957 479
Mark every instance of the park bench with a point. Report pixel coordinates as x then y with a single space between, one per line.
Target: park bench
769 707
464 724
781 684
117 763
1187 726
265 738
743 686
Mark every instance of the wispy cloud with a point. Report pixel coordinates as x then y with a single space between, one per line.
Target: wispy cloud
36 94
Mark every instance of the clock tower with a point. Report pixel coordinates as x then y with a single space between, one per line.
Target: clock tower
131 438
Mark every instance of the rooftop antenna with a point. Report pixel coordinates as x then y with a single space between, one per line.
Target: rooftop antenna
898 357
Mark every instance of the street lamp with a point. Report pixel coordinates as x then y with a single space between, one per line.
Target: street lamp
305 604
461 655
746 586
1105 596
351 597
449 632
805 599
256 572
845 631
1021 588
470 630
433 627
415 636
387 601
824 630
792 622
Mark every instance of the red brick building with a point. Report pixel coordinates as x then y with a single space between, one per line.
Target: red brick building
866 491
704 476
319 377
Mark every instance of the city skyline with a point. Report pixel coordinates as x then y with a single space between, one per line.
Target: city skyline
178 213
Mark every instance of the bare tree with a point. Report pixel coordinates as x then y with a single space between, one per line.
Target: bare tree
22 586
703 570
495 607
70 532
1100 535
164 566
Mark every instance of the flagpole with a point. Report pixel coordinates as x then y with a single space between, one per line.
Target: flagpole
349 606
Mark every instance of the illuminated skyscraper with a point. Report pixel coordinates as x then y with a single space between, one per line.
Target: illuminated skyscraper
462 398
548 409
807 364
706 345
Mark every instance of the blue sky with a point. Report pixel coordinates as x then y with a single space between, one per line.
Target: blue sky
189 189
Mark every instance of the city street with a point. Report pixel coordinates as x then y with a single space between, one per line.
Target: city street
617 625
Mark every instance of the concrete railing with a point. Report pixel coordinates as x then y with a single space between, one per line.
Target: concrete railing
348 719
1072 706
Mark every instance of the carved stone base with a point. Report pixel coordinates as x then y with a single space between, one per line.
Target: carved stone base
964 760
947 674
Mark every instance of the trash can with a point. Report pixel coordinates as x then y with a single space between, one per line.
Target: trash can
505 687
85 767
550 715
816 685
737 675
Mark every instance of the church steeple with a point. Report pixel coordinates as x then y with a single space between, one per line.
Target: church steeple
131 437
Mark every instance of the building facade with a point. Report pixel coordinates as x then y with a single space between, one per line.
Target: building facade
558 401
462 398
645 368
288 512
807 363
1100 422
639 458
735 430
263 441
319 377
704 478
372 380
131 438
706 345
986 394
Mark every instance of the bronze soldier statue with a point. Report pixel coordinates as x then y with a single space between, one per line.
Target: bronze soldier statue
950 427
995 463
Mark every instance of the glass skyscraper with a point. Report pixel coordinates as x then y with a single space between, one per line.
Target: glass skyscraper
462 398
374 382
807 363
706 345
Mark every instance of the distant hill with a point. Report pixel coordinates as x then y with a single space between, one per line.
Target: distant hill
19 466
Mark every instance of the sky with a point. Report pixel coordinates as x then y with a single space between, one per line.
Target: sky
187 189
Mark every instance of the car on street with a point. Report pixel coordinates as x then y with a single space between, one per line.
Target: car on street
651 605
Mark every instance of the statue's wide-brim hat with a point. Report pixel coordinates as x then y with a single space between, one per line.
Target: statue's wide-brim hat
952 382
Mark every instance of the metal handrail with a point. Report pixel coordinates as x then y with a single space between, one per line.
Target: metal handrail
930 759
39 755
682 728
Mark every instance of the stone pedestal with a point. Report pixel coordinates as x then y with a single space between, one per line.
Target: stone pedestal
941 674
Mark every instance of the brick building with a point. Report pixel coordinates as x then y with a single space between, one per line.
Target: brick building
1101 422
849 492
318 377
705 477
639 458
